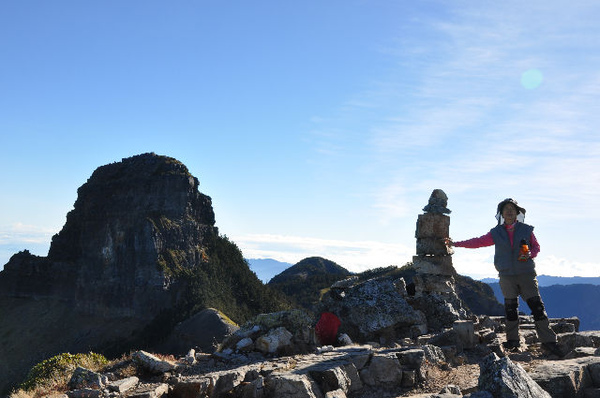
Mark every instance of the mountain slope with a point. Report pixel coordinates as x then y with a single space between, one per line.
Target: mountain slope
304 281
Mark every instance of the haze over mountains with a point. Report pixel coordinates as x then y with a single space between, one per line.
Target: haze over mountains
546 280
266 268
563 296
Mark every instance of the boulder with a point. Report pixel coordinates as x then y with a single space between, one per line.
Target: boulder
336 394
228 380
506 379
412 358
123 385
296 322
152 363
192 387
433 354
465 332
274 341
292 386
373 309
151 390
384 369
85 378
572 340
332 379
293 320
567 378
203 330
441 309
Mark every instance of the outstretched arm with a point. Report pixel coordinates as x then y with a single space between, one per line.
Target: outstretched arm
474 243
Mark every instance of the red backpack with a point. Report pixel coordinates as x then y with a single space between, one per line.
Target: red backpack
327 328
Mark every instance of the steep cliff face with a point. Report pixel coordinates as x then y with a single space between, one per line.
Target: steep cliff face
134 225
138 253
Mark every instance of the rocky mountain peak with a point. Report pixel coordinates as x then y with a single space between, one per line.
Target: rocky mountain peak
138 253
134 224
311 266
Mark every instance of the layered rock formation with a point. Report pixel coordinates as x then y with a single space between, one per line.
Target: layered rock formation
138 253
134 224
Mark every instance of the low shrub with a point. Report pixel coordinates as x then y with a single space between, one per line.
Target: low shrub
54 373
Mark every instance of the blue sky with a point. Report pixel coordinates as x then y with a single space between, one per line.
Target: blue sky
317 127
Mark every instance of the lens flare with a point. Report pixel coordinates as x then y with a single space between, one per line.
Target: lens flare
531 79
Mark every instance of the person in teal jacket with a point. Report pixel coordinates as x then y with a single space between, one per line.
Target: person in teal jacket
516 270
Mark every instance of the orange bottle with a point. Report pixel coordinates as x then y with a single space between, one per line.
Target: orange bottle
524 252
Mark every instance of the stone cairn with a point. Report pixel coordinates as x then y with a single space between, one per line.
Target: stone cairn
433 255
434 281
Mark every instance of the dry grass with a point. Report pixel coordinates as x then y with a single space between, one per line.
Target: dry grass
53 375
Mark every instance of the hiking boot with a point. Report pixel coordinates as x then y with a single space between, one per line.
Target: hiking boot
554 349
511 344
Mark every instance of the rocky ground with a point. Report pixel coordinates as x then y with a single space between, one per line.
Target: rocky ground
448 364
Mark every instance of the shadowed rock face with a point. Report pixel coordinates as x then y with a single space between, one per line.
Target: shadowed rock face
138 253
134 223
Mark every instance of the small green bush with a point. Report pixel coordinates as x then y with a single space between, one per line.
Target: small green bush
53 371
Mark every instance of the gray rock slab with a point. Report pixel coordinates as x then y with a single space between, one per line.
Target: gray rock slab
506 379
292 386
155 390
152 363
192 387
567 378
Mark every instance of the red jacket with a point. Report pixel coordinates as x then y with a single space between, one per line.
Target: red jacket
487 240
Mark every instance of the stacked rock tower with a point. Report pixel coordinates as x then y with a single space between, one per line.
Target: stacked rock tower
434 281
433 256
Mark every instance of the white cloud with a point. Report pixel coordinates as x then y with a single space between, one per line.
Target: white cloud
18 237
356 256
477 264
21 233
551 265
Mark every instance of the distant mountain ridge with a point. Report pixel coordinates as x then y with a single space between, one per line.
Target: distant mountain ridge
563 296
564 301
304 281
267 268
547 280
309 267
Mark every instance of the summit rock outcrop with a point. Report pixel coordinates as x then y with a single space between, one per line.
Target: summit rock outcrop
133 225
138 253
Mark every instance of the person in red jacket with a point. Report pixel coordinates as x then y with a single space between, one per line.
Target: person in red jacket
515 249
327 328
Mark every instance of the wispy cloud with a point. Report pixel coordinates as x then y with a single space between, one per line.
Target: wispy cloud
21 233
552 265
468 118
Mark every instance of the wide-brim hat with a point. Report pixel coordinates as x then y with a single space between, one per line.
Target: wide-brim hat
520 210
